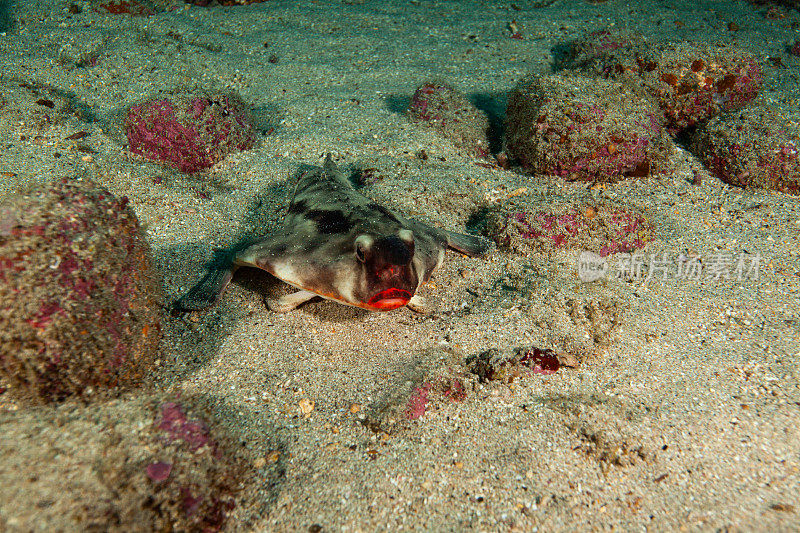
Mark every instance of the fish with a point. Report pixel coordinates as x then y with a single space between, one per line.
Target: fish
337 244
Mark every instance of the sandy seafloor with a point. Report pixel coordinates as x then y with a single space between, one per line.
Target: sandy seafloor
684 416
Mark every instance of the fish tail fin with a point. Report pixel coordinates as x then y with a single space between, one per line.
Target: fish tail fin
467 244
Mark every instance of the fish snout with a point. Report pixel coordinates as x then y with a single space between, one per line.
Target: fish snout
388 273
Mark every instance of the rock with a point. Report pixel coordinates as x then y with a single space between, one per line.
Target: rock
583 129
755 147
79 296
189 131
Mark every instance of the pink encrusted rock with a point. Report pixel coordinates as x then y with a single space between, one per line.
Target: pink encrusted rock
539 361
492 365
695 82
755 148
603 228
187 473
450 387
439 381
452 115
190 132
158 471
176 425
438 387
79 297
597 46
691 82
583 129
418 401
128 472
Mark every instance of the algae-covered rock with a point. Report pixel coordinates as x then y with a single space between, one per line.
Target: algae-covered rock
190 131
79 296
583 129
138 464
755 148
452 115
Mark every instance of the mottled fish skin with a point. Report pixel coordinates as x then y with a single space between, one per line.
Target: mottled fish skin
340 245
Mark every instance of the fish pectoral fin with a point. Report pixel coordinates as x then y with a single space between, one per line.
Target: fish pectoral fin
470 245
207 291
287 303
418 304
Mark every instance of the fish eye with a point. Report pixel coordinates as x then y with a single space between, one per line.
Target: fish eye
362 246
407 236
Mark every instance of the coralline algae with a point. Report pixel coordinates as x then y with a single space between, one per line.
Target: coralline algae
79 297
141 463
754 148
603 228
583 129
452 115
690 82
189 131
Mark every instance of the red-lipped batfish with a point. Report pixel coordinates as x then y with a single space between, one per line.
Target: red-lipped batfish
342 246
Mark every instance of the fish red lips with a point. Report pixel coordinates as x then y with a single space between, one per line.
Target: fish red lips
390 299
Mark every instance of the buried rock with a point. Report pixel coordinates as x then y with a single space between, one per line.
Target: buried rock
602 227
189 131
139 464
491 365
434 378
451 115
